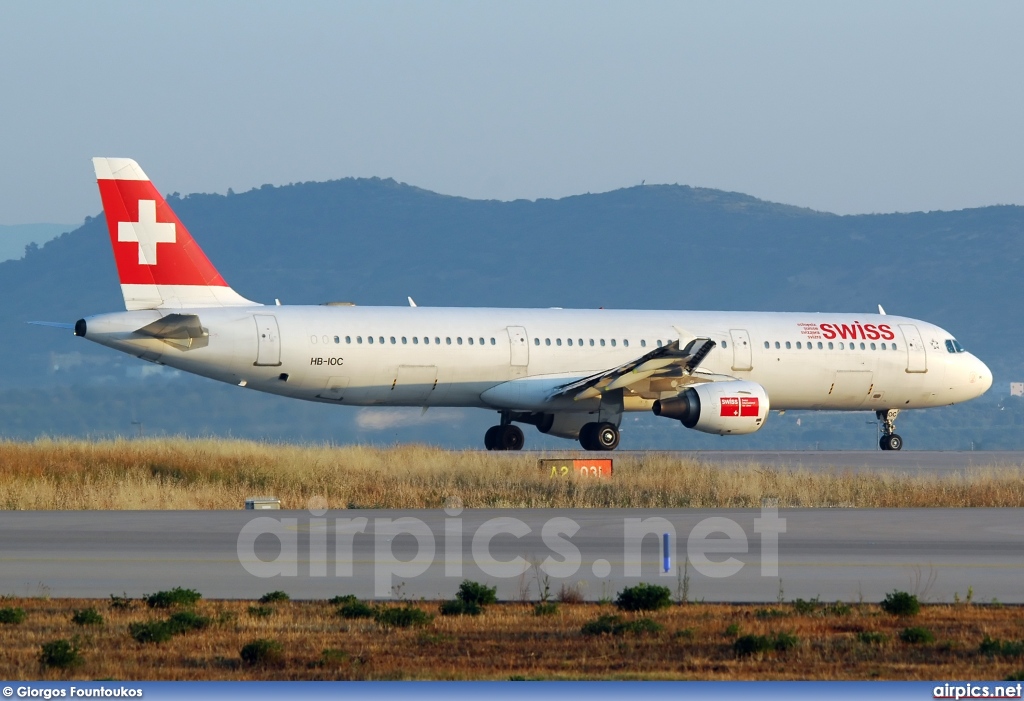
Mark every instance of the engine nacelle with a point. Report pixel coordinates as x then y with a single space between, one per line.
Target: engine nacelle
724 408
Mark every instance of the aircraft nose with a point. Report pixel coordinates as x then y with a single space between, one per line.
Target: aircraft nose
981 377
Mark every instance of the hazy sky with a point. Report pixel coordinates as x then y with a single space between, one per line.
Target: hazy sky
846 107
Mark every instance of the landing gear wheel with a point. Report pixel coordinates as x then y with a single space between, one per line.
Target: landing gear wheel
891 442
587 440
606 437
510 438
491 438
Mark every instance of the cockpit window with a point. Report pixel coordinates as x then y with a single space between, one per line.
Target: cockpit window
953 347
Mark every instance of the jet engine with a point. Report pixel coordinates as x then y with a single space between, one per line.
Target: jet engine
725 408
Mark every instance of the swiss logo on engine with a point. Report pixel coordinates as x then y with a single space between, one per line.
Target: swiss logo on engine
740 406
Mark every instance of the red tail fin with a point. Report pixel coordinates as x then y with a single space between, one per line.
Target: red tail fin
158 262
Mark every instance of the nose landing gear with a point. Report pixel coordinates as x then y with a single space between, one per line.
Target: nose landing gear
889 440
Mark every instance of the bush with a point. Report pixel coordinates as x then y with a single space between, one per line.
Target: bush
12 615
570 594
644 597
274 597
545 608
60 653
806 608
900 603
1003 648
87 617
120 602
263 652
150 632
476 593
870 637
917 636
402 617
837 609
342 600
261 611
184 621
758 644
770 613
356 609
173 597
604 625
458 607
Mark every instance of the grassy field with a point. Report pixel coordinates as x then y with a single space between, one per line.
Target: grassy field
220 474
692 641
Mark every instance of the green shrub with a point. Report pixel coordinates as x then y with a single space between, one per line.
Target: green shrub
150 632
871 637
640 626
477 593
900 603
751 645
758 644
458 607
837 609
356 609
184 621
12 615
917 636
770 613
60 653
342 600
1003 648
402 617
263 652
603 625
644 597
733 629
87 617
173 597
274 597
261 611
545 608
806 608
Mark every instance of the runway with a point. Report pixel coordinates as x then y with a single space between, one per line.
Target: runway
834 554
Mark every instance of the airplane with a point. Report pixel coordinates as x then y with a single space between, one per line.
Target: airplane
571 373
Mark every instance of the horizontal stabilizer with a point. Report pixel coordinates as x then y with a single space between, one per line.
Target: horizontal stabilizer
181 330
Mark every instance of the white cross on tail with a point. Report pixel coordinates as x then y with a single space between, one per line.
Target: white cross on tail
147 232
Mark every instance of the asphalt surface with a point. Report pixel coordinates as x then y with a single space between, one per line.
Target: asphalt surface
835 554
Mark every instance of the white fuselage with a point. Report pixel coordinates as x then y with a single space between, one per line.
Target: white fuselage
512 358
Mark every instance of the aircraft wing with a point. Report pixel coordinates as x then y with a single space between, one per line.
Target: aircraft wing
669 360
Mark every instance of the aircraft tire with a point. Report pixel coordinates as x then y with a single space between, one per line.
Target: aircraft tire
587 440
491 438
606 437
510 438
891 442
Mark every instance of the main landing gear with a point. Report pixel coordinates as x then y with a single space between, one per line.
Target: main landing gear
504 437
889 440
599 436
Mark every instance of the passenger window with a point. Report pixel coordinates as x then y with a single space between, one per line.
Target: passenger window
312 339
602 342
659 343
459 340
392 340
448 340
613 343
830 345
819 345
415 340
337 339
725 344
536 341
369 339
862 346
777 346
326 340
569 342
348 339
766 344
643 343
580 343
359 339
426 340
625 342
481 340
591 342
798 344
872 346
840 345
492 340
404 340
471 340
788 346
558 341
894 346
547 341
437 340
883 347
381 340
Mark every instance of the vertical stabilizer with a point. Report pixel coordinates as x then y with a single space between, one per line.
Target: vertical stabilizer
158 262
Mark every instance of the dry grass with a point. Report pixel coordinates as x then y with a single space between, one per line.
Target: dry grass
508 640
220 474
